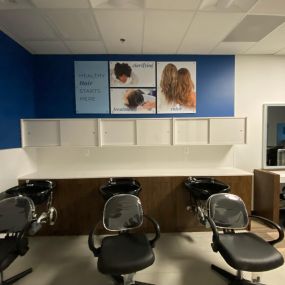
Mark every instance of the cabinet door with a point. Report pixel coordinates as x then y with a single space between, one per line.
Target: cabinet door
40 133
154 132
118 132
78 132
226 131
191 132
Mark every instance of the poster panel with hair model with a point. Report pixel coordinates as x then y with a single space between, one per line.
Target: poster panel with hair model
133 100
132 74
176 87
91 87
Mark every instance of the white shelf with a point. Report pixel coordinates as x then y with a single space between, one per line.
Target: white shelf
135 172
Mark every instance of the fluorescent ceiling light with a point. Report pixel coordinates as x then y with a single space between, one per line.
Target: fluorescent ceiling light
117 3
253 28
227 5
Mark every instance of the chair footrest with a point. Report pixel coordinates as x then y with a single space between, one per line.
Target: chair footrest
15 278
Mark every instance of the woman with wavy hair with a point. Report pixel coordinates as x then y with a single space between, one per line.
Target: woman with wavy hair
184 91
168 82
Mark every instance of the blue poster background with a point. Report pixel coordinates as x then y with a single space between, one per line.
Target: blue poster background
91 87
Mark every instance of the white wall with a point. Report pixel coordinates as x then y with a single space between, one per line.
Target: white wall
14 163
134 158
258 80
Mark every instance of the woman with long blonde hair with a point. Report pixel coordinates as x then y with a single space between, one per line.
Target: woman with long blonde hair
168 82
184 91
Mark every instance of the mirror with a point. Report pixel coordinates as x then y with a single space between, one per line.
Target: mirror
274 136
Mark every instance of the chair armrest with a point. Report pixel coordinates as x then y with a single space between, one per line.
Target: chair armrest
272 224
156 228
91 242
22 240
215 238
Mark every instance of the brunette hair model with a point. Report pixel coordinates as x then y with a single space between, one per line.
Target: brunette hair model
121 69
134 98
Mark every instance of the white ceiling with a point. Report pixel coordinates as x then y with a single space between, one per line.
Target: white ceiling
148 26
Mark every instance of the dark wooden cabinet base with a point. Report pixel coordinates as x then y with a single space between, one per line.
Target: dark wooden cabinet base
80 204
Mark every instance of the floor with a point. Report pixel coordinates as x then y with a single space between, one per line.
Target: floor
182 258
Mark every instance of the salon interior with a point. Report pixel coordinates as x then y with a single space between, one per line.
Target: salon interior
142 142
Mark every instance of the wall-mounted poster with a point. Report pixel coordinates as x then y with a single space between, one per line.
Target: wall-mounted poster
176 83
132 74
133 100
91 87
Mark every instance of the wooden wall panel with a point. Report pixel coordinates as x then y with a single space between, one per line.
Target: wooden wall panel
266 194
80 204
241 186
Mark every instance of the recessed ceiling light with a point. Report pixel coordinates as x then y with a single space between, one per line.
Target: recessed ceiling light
227 5
253 28
117 3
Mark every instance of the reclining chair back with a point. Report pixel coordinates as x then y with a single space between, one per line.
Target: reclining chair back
227 211
16 214
122 212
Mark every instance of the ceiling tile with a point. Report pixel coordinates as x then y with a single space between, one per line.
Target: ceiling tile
232 48
46 47
281 52
229 6
115 25
16 4
86 47
266 7
117 4
74 24
172 5
271 44
207 30
58 4
26 25
174 22
254 27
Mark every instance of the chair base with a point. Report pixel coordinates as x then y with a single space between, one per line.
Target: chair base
120 280
15 278
233 279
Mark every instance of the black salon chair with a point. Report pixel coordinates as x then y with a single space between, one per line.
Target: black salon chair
16 216
242 250
127 252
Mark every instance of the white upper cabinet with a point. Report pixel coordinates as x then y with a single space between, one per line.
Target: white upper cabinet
191 131
79 132
40 133
132 132
118 132
154 132
227 131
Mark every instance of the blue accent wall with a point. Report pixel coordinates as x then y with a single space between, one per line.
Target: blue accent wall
55 88
16 90
42 86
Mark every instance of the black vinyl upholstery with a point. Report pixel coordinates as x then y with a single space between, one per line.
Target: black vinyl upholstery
124 254
9 250
16 214
248 252
126 251
243 250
